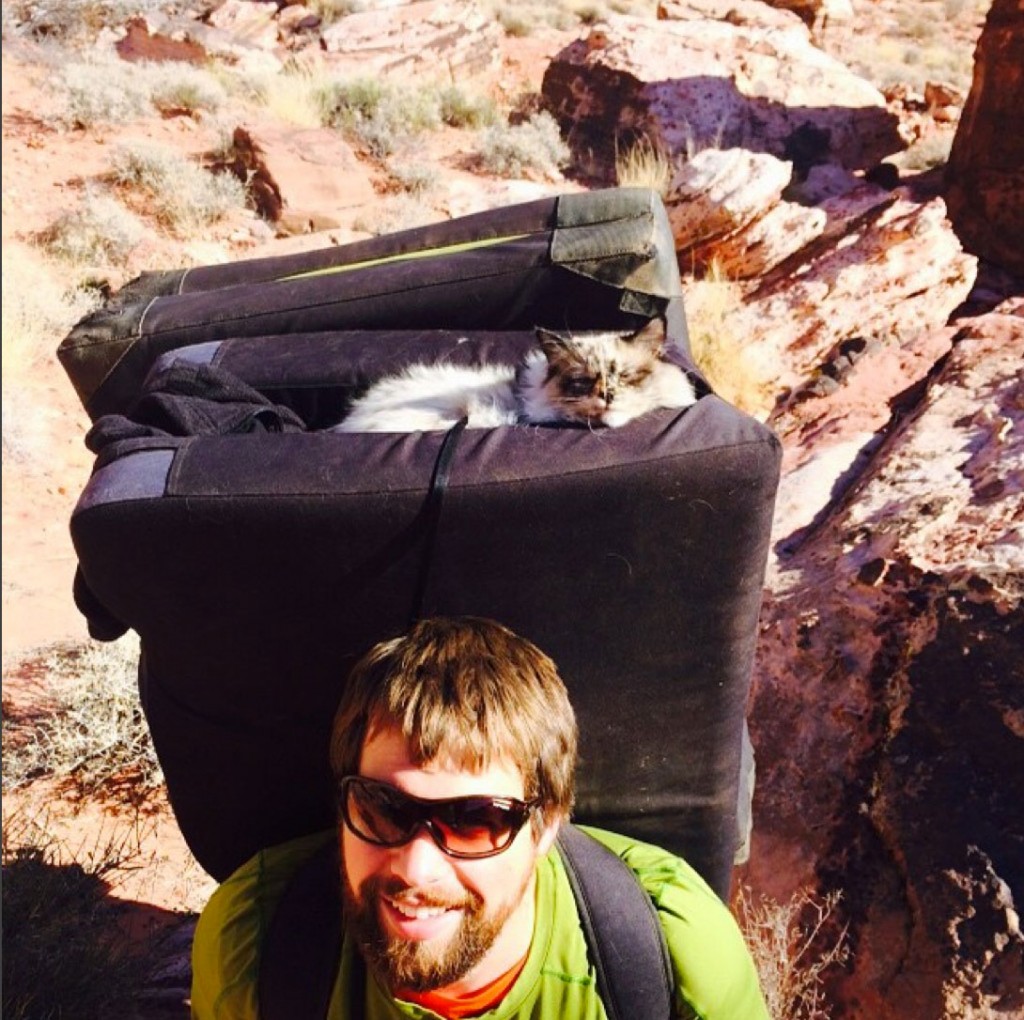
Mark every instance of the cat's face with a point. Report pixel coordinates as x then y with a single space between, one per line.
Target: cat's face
599 378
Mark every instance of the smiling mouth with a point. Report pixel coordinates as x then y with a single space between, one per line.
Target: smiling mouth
415 912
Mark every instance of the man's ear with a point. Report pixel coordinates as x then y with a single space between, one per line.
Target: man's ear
547 836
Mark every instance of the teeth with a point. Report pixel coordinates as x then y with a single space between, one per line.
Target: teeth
416 913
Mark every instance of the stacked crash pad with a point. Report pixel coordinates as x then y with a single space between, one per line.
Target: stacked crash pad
258 556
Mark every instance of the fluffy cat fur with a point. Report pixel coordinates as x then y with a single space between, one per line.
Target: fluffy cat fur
594 378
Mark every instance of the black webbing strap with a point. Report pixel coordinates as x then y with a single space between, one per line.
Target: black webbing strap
429 516
302 948
624 935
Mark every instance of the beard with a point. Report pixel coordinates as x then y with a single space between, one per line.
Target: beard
428 964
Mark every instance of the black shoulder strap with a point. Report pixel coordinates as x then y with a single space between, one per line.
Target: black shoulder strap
302 947
621 925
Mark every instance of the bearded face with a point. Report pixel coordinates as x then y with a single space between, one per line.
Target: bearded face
425 919
424 964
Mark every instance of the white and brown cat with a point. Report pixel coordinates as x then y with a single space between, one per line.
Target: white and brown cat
595 378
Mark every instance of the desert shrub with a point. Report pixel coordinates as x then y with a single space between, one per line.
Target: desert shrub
927 153
179 193
379 115
177 87
330 11
78 21
462 111
100 91
636 8
644 165
519 150
99 231
515 24
96 734
103 89
793 944
415 179
399 212
591 14
62 955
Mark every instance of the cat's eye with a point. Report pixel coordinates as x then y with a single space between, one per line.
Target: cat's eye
635 376
578 386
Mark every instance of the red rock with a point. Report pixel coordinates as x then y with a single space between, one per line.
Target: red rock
985 172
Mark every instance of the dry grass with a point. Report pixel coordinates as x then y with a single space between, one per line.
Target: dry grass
644 165
39 307
95 737
294 95
43 299
793 945
719 350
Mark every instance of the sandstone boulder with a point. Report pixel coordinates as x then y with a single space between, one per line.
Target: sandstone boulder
439 41
755 13
985 173
727 211
253 22
883 267
299 179
690 85
817 12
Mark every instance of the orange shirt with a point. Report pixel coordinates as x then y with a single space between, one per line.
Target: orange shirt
454 1007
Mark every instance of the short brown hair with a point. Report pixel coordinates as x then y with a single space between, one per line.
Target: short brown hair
468 690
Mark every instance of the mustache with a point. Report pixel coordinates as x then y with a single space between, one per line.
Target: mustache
414 896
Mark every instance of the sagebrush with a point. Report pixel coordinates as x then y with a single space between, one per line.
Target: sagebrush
95 734
793 945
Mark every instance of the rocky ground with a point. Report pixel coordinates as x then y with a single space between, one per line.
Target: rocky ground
897 549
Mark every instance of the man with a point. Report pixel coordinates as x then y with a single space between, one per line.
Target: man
454 750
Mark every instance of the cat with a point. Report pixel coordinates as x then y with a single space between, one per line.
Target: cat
595 378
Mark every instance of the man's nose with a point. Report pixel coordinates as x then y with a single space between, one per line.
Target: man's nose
420 861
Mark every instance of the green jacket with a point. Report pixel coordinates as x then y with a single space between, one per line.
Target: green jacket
715 977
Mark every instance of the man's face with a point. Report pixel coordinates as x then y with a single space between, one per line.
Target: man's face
425 920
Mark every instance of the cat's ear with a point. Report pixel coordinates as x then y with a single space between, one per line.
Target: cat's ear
552 344
651 336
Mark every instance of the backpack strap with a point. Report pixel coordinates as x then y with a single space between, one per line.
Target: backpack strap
302 948
624 935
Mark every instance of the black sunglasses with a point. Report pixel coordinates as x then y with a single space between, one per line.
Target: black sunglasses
465 827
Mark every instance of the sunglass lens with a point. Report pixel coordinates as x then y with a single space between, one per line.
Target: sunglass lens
379 814
477 826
